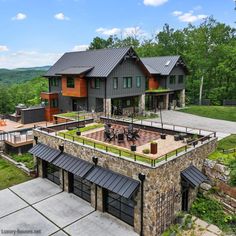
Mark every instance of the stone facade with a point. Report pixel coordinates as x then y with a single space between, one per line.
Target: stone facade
182 98
160 179
107 106
142 103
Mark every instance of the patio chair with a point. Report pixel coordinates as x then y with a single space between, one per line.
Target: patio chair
136 133
109 135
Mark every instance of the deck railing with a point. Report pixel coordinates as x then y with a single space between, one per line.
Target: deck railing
123 152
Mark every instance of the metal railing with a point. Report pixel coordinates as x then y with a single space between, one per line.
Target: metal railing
123 152
15 137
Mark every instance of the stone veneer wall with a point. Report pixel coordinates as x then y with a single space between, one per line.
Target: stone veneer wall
164 177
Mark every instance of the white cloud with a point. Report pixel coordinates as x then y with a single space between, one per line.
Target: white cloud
189 17
128 31
154 3
3 48
197 8
61 16
108 32
19 16
28 59
177 13
82 47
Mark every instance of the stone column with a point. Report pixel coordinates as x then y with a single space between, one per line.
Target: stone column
142 103
182 98
107 106
66 181
61 175
100 199
167 101
40 167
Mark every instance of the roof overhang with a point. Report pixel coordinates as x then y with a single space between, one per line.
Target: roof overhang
75 70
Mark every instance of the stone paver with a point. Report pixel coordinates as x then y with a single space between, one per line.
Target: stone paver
214 229
207 233
36 190
27 219
100 224
9 202
201 223
179 118
64 208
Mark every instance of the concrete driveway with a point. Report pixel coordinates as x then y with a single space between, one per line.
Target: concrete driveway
39 207
223 128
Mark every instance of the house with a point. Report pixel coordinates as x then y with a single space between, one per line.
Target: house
166 85
144 191
113 81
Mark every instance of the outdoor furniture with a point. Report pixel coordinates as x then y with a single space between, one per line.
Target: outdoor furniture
176 137
109 135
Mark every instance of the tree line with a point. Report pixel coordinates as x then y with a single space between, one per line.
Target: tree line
209 50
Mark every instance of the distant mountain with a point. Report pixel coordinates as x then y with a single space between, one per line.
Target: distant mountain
21 75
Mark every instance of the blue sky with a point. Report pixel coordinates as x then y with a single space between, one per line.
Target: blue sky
38 32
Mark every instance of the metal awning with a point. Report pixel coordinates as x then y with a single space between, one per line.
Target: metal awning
75 70
44 152
120 184
73 164
193 176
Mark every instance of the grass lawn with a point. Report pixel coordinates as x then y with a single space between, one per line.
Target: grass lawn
11 175
215 112
226 143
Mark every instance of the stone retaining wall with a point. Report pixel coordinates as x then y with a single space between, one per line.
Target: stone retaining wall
160 179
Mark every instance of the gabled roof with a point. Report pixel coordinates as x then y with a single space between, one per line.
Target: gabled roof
102 61
161 65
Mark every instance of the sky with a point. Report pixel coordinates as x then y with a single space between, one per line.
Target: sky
38 32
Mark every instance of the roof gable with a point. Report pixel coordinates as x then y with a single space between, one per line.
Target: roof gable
102 61
162 65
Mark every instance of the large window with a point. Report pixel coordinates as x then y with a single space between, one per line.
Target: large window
115 83
180 79
120 207
138 81
127 82
95 83
54 82
172 79
70 82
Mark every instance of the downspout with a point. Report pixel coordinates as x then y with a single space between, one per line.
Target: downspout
141 177
95 161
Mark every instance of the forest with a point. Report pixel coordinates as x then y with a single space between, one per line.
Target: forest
209 50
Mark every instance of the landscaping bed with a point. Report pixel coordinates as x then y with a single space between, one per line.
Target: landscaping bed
216 112
26 158
10 175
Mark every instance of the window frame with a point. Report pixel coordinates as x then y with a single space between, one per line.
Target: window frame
138 81
180 79
115 83
173 79
126 80
69 80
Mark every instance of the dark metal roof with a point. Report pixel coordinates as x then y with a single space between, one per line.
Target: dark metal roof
120 184
160 65
103 61
44 152
75 70
73 164
193 176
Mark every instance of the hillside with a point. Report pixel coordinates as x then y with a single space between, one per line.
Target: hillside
21 75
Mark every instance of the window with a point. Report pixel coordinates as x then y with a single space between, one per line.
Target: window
54 82
138 81
181 79
54 103
45 102
70 82
172 79
127 82
115 83
95 83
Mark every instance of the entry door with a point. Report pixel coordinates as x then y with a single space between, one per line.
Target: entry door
53 173
185 193
74 104
119 207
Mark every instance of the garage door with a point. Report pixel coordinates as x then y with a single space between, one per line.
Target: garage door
119 207
52 173
81 187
